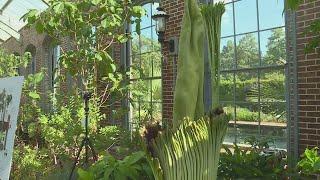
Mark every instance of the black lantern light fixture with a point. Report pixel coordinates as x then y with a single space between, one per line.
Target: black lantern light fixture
160 17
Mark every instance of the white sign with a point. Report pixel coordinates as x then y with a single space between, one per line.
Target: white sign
10 92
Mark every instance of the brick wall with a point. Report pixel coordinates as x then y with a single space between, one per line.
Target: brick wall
28 38
308 79
169 64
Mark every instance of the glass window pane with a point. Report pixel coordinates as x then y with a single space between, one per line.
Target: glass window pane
135 44
154 10
246 131
146 43
273 47
246 83
247 121
273 86
146 58
231 135
227 21
275 134
227 88
273 112
247 112
245 16
140 90
156 62
156 90
135 106
156 44
247 50
146 20
271 13
156 111
146 65
135 67
145 111
227 53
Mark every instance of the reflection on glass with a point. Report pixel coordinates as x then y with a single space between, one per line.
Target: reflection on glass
227 21
274 112
273 47
146 65
227 53
246 82
140 90
270 13
226 88
247 112
247 50
245 16
231 135
156 113
156 62
145 111
259 110
156 90
273 86
135 44
156 43
146 43
146 20
154 10
135 66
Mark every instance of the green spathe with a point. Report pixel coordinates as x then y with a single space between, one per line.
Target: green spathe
188 95
212 15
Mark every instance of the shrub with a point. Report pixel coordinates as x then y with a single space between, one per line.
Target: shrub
310 162
244 114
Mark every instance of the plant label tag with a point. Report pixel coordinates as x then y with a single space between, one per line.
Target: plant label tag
10 94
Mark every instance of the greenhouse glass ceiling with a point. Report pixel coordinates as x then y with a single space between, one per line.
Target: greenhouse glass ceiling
11 12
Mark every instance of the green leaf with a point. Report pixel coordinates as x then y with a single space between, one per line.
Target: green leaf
107 173
34 95
84 175
95 2
58 7
39 27
135 157
122 38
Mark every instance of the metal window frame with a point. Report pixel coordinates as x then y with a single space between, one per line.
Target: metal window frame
7 30
128 61
257 69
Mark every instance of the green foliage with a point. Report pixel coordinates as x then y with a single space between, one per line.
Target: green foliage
28 159
131 167
88 24
212 15
244 114
310 162
271 90
314 43
253 163
28 163
293 4
145 65
276 48
272 95
10 63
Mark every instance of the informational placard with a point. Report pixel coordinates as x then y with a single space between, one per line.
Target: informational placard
10 94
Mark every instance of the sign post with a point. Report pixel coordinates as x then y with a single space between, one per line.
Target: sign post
10 93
